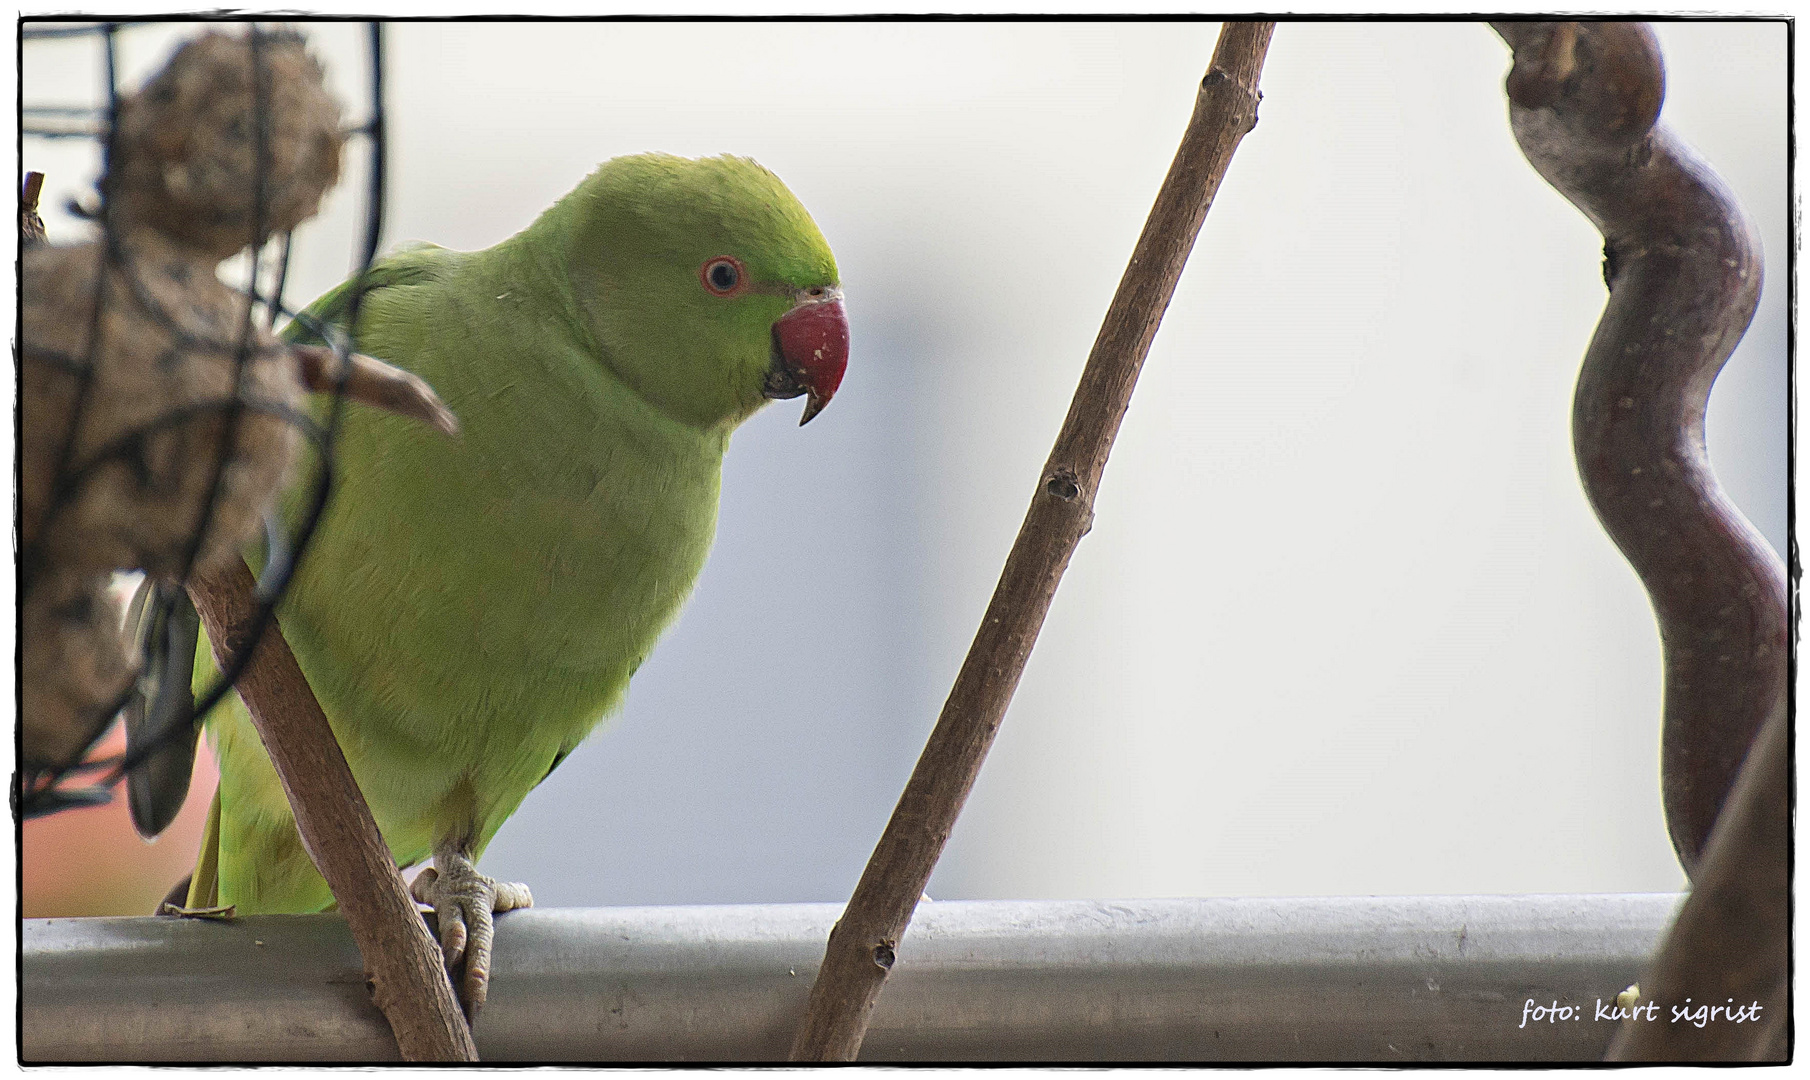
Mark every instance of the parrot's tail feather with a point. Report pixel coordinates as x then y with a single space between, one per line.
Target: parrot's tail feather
204 883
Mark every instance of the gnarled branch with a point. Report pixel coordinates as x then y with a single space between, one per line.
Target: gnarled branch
1683 268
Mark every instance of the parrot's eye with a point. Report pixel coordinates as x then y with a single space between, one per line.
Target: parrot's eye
723 275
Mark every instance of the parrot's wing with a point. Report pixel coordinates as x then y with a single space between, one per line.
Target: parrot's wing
564 752
163 619
413 264
204 883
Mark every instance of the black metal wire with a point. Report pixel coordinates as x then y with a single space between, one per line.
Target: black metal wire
40 799
44 33
52 133
79 121
40 794
260 224
274 303
379 154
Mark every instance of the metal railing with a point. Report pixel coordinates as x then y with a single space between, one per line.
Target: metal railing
1372 979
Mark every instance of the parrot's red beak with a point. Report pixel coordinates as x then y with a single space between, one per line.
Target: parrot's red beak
810 352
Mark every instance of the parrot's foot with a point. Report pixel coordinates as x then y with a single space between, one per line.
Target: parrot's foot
224 911
177 897
463 901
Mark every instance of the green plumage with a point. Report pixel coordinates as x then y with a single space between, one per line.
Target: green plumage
470 609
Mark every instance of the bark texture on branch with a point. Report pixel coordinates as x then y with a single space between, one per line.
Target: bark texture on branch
402 960
1683 268
31 226
862 946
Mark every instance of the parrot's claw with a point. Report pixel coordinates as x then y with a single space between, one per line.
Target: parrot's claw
464 901
223 911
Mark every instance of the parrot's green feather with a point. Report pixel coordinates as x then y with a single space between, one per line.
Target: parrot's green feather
470 609
412 264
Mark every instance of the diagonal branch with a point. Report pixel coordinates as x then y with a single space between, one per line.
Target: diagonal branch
861 947
1728 944
402 960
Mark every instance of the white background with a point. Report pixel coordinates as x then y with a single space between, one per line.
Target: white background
1345 623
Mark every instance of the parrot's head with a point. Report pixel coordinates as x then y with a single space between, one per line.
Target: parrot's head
708 287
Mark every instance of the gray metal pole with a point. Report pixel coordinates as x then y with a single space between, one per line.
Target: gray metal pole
1378 979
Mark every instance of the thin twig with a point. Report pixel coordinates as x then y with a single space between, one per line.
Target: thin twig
1683 268
31 226
862 945
402 960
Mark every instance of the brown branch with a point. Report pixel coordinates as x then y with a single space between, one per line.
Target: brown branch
403 962
1728 945
31 226
1683 269
374 383
861 947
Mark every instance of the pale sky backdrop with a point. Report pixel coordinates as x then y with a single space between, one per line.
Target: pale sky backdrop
1345 623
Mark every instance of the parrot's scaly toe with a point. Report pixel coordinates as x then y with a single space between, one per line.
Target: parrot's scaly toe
464 901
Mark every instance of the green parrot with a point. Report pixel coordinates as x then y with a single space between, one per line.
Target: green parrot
470 609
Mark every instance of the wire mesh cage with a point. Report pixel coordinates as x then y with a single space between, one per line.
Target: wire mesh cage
126 302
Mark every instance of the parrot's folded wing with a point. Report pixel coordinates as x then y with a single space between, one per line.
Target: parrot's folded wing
411 265
564 752
163 619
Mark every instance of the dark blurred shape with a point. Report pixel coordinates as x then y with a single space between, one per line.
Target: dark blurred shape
159 718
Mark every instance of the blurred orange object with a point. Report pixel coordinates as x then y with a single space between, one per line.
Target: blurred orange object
92 862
